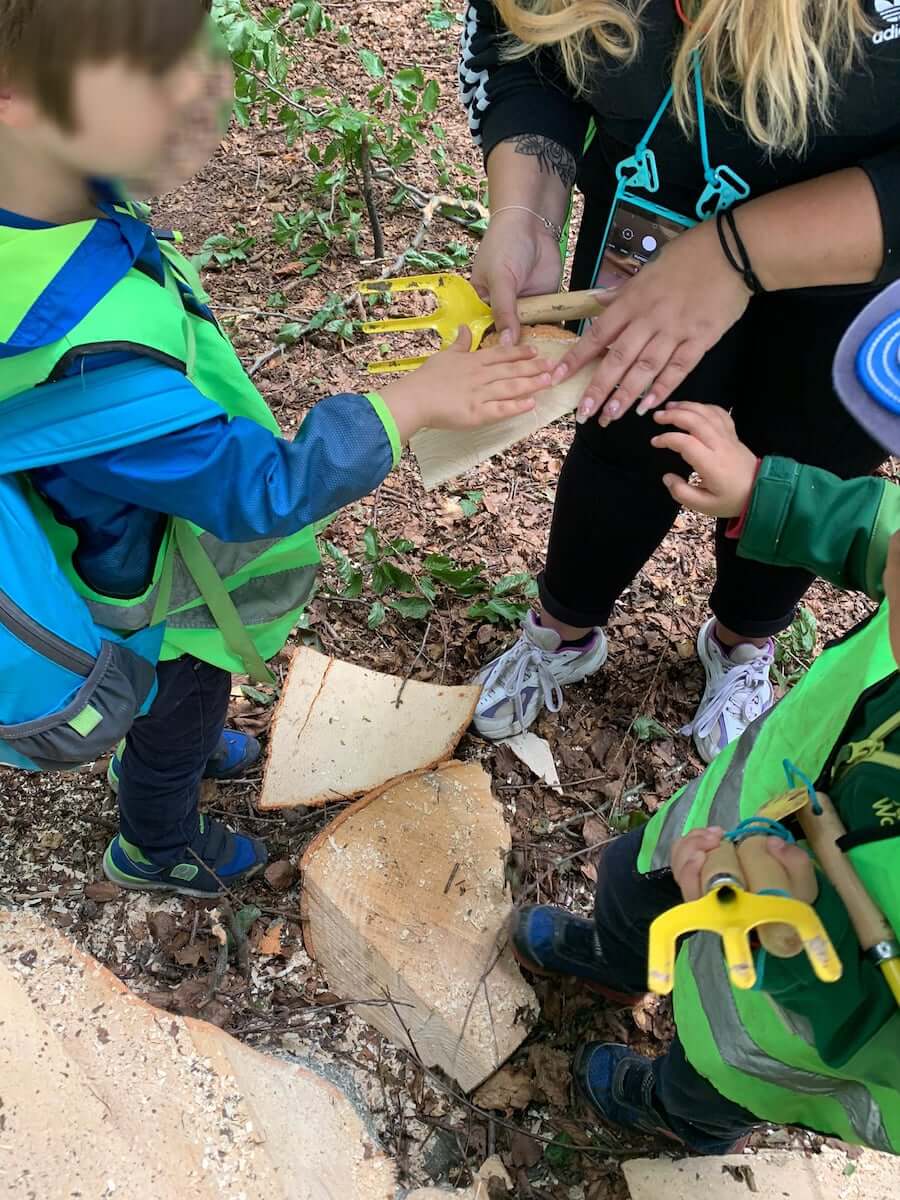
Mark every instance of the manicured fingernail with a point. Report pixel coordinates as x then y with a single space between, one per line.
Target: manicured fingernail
543 382
560 373
586 409
506 337
612 409
646 404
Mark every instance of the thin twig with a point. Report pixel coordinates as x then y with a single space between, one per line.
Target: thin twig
368 190
403 1024
264 358
399 699
484 974
449 882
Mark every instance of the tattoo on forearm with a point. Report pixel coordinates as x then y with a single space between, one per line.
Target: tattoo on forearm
551 156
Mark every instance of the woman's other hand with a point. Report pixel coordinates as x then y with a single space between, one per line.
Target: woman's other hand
517 257
657 327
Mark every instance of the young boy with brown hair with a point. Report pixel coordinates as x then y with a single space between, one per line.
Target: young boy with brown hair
173 496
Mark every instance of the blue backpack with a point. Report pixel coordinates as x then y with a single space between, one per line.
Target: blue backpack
70 689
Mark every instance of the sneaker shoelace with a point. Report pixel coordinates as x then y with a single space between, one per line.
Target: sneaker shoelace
738 693
526 657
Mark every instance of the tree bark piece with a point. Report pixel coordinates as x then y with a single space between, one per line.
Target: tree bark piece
829 1175
105 1096
339 732
446 454
404 897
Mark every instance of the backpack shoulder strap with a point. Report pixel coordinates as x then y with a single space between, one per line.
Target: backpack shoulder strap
98 412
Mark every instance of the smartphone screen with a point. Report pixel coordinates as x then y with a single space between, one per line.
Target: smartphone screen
636 236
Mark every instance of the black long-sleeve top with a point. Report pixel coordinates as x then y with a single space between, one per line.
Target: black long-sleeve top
532 96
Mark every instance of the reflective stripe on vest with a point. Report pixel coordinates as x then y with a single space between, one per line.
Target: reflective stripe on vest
751 1049
726 802
739 1051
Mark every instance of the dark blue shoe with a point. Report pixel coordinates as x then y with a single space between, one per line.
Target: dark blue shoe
217 858
619 1087
235 754
548 940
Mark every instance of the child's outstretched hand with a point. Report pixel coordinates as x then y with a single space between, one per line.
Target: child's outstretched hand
460 390
689 854
707 441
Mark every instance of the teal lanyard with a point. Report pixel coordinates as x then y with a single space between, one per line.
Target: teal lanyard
724 187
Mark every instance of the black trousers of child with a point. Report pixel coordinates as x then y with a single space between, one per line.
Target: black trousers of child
166 753
773 371
626 905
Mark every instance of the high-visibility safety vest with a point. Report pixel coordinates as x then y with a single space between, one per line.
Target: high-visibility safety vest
751 1049
229 604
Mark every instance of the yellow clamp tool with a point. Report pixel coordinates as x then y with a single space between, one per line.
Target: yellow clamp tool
823 830
732 878
459 304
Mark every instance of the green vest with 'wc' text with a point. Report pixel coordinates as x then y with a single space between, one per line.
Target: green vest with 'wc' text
753 1050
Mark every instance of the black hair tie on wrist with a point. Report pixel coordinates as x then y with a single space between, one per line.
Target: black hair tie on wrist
740 260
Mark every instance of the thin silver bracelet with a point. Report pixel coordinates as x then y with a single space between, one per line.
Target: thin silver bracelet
549 225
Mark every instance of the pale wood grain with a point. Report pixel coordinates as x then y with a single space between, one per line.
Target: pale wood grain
404 896
338 731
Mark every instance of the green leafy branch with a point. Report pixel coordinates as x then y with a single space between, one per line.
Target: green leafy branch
412 589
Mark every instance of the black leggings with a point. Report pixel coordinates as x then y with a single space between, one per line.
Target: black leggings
773 371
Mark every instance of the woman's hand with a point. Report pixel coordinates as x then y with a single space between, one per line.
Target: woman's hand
517 257
709 444
658 326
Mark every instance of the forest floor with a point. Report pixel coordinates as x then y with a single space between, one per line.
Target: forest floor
615 740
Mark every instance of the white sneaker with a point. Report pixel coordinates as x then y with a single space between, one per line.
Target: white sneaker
529 676
737 691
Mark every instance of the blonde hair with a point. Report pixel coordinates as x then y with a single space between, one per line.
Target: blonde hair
782 56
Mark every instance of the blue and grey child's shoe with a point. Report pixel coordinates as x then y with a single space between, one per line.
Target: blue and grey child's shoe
217 858
548 940
234 756
619 1085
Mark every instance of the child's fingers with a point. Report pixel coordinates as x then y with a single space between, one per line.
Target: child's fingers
511 387
694 452
688 495
498 355
689 855
719 416
501 410
799 868
463 343
699 423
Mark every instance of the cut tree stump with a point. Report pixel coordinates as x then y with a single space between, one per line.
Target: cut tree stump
404 900
829 1175
339 731
445 454
104 1096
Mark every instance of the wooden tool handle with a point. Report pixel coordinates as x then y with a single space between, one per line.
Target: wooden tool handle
560 307
722 866
823 832
766 874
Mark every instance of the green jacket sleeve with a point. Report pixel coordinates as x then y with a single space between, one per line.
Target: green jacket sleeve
843 1015
839 529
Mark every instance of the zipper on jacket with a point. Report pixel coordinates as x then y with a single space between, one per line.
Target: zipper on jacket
42 641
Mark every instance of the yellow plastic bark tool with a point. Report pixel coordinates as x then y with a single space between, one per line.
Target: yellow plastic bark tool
459 304
824 829
732 879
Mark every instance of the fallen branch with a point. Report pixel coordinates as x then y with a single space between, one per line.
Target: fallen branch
368 190
406 679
